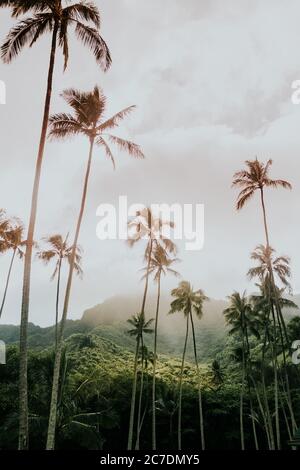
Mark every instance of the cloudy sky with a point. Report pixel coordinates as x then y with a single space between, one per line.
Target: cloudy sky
212 84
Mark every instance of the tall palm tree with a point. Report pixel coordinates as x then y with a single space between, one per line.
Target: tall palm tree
189 302
57 249
265 257
239 316
12 240
55 17
88 121
146 226
160 264
140 326
256 178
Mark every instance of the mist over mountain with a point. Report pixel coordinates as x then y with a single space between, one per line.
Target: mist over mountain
108 320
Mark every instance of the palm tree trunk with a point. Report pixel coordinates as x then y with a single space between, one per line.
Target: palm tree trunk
180 383
56 372
281 322
242 399
252 419
23 386
276 389
146 404
286 419
138 426
266 427
57 302
7 281
265 396
249 371
286 386
133 395
147 277
199 386
154 369
264 216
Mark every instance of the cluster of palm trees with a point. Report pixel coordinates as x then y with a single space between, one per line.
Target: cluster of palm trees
160 255
261 316
12 241
56 248
58 18
257 316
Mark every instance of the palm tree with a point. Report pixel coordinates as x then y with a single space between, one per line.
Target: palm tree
140 326
145 226
264 256
256 178
239 316
189 302
87 120
57 249
11 240
160 264
217 373
55 17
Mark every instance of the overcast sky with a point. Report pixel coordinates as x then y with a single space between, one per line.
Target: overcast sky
212 83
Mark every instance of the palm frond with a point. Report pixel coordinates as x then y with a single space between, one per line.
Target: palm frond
114 120
244 198
91 38
26 31
86 11
63 40
130 147
278 183
21 7
63 125
108 152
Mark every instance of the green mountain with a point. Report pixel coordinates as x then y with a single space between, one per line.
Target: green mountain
108 321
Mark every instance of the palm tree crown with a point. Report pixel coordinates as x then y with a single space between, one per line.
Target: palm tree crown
49 16
264 256
160 264
12 236
256 176
187 300
240 315
139 325
58 249
145 226
88 119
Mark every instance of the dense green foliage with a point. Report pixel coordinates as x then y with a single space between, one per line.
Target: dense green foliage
95 391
